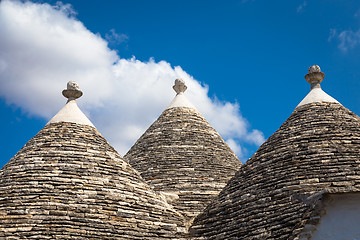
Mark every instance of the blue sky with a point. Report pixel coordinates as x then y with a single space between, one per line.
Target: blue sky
244 61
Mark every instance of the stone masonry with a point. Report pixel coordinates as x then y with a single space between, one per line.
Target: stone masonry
185 159
68 183
277 193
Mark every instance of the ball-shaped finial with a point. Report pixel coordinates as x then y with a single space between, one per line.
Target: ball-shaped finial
315 76
314 68
72 92
72 85
179 86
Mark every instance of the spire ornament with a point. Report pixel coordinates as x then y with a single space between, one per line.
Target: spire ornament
71 112
315 76
72 92
180 100
316 94
179 86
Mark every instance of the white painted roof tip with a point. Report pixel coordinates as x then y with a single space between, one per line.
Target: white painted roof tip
316 94
71 112
180 100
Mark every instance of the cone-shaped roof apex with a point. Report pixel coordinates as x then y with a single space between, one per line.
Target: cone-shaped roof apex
71 112
69 182
316 94
278 192
183 156
180 99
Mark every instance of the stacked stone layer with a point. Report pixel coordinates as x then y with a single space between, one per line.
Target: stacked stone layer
182 156
68 182
277 193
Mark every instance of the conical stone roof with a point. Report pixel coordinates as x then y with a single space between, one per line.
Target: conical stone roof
278 193
67 182
182 156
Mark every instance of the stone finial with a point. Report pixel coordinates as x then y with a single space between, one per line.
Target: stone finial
315 76
179 86
314 68
72 85
72 92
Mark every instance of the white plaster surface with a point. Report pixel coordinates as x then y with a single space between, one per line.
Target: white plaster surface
342 219
317 95
180 101
71 113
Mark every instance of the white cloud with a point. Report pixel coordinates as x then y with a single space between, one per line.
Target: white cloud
43 46
115 38
255 136
66 9
235 147
346 39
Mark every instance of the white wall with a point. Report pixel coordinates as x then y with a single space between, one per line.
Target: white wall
342 219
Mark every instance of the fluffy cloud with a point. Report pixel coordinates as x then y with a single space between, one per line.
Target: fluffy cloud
346 39
43 46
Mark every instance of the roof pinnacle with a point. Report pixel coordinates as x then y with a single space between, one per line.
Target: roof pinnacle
72 92
71 112
179 86
180 100
316 94
315 76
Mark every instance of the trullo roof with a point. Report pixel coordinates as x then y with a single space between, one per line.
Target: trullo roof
277 194
67 182
182 156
